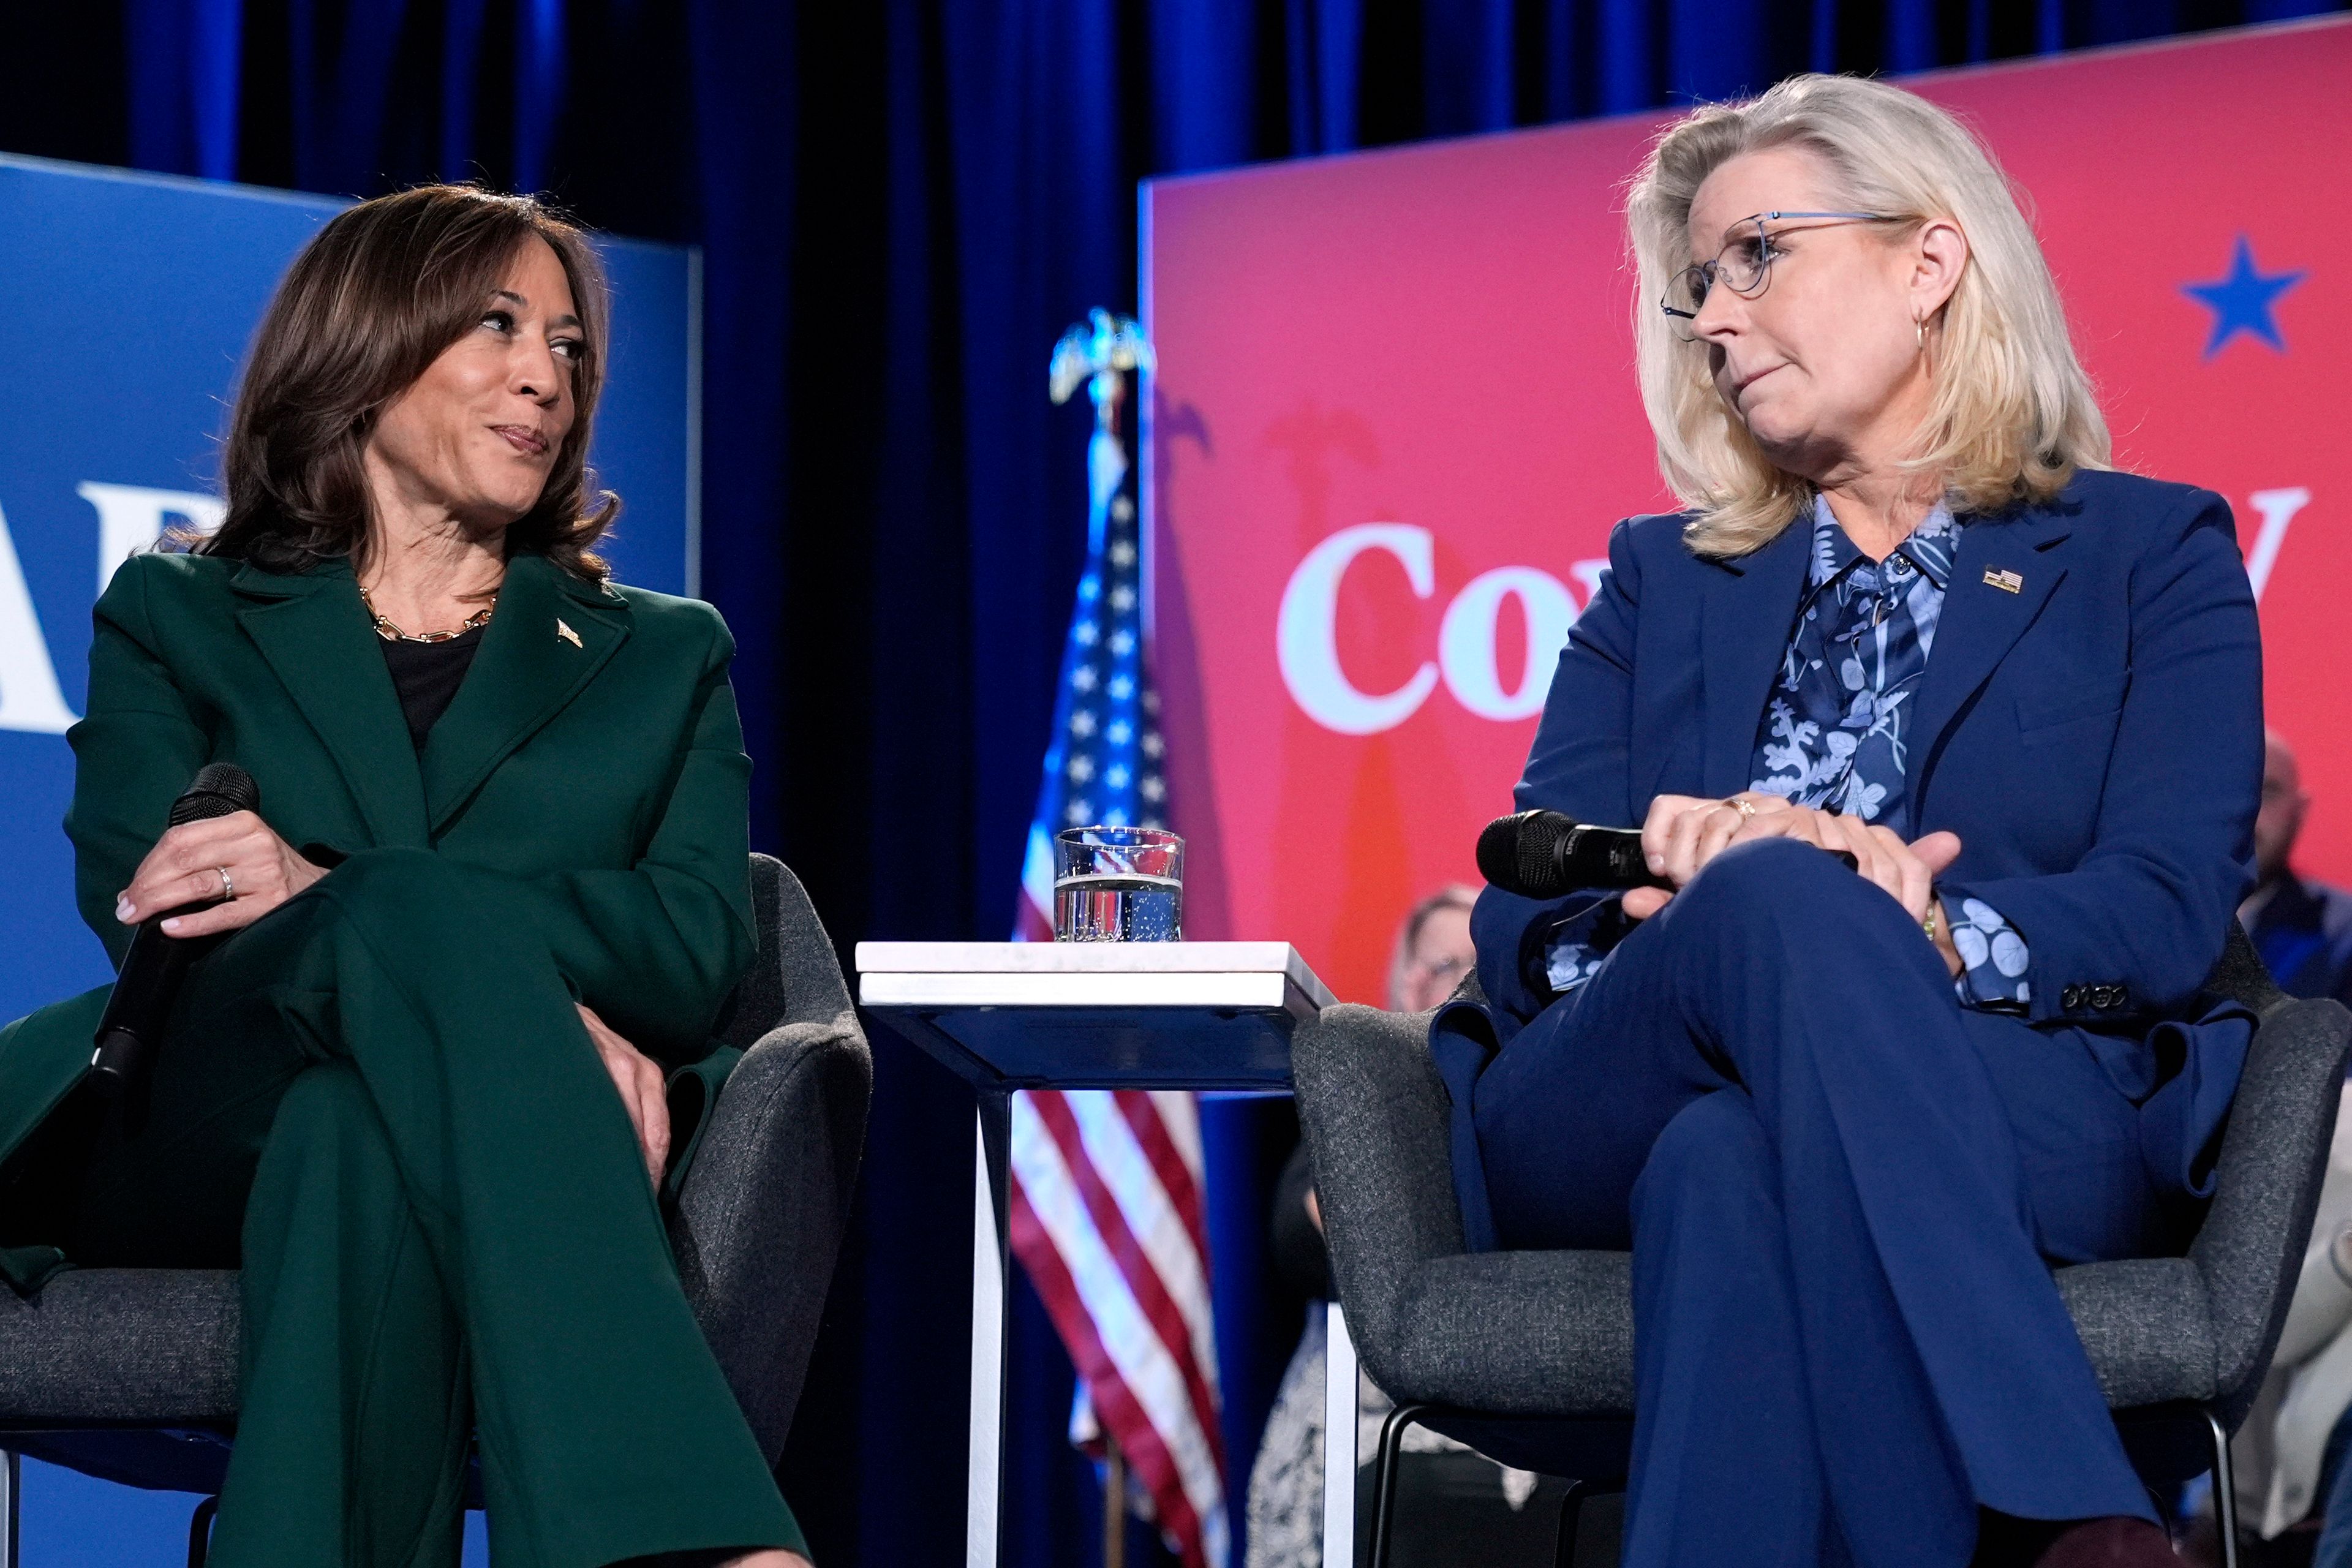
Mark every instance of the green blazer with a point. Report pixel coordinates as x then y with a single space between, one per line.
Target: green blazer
593 755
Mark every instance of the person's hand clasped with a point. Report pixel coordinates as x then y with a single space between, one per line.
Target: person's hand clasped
237 859
643 1090
1682 833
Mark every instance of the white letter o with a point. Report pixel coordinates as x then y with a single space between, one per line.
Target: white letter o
1465 642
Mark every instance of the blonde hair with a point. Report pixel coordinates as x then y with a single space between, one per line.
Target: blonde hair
2012 415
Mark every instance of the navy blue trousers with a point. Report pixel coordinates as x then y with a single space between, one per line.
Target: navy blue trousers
1843 1191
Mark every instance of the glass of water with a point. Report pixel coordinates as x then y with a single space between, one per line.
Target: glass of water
1119 884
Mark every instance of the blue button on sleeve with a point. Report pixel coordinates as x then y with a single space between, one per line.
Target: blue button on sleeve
1993 957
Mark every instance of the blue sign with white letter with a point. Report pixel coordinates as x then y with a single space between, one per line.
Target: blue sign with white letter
126 303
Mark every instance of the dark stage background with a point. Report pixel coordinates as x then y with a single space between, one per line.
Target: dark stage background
901 204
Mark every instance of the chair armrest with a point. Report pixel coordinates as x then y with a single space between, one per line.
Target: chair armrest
1375 1116
2266 1189
797 978
766 1202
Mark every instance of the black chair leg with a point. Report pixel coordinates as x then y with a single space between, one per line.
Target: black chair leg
1384 1478
1571 1504
2225 1492
200 1532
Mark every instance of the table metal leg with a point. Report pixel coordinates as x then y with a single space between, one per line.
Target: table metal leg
12 1481
1339 1441
984 1478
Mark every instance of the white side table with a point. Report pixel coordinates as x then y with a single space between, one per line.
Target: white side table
1011 1015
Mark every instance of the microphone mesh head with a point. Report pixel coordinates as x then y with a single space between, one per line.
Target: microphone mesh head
1498 850
1539 843
1518 853
219 789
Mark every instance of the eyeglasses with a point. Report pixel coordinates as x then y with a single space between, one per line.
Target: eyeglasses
1445 966
1744 265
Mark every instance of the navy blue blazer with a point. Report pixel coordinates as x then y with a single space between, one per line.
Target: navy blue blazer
2093 735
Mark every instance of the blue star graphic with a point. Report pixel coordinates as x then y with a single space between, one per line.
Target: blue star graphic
2242 301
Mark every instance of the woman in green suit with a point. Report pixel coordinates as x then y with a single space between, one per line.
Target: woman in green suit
497 886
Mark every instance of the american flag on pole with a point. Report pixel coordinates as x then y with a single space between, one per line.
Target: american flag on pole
1107 1211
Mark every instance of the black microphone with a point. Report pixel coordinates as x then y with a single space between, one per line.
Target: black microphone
157 963
1546 855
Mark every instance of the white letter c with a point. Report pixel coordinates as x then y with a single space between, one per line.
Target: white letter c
1306 631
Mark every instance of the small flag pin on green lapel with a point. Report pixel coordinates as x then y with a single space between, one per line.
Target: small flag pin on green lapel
568 635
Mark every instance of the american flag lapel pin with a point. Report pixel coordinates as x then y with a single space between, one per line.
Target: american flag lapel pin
568 635
2007 582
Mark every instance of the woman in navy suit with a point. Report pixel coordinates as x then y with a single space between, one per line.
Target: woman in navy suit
1847 1120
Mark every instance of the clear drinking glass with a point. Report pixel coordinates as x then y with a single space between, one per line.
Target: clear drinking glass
1119 884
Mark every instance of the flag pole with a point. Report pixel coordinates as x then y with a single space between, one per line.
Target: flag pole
1114 1504
1105 765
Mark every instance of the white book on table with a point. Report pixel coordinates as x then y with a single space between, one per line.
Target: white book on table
1257 975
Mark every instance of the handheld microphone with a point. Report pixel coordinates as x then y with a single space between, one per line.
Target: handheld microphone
1546 855
157 963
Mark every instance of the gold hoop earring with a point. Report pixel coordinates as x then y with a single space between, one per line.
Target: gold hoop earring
1919 326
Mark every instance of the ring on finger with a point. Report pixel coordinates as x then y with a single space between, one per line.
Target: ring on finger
228 888
1743 805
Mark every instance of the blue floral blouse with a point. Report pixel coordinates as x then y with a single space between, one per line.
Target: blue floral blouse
1834 733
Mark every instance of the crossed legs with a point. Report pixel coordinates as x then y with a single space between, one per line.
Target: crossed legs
446 1230
1847 1335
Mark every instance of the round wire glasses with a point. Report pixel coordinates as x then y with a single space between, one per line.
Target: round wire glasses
1744 265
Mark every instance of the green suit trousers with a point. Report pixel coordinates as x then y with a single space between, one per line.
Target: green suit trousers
380 1099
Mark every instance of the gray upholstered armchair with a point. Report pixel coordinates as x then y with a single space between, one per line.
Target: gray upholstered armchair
130 1375
1529 1356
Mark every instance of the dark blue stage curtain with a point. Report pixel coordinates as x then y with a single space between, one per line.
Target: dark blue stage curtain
901 204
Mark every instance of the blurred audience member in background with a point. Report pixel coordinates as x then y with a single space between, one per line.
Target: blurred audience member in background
1455 1505
2294 1490
1433 951
2303 930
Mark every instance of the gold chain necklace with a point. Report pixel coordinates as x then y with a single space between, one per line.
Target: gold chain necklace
390 633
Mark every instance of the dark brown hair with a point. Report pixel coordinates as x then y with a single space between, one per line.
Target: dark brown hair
372 301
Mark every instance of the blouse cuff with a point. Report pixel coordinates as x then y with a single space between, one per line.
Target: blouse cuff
1994 960
1581 941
